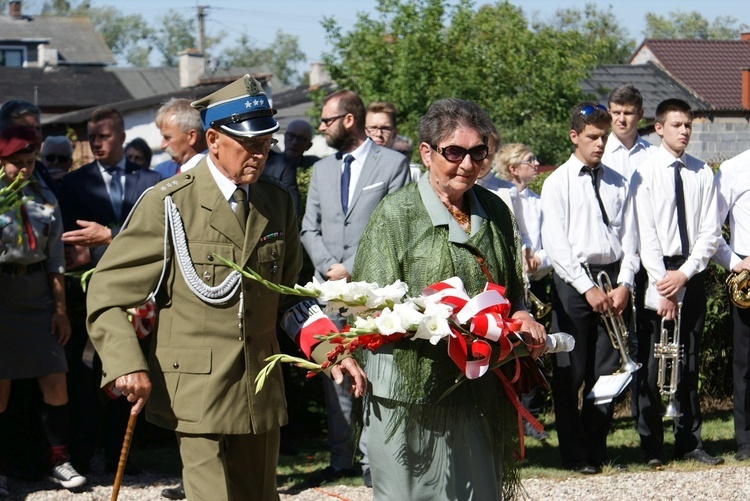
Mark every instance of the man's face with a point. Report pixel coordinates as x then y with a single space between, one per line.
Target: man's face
675 132
57 156
589 144
176 143
337 136
297 140
380 128
241 160
625 119
106 140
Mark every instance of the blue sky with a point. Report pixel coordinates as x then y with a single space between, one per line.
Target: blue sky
261 20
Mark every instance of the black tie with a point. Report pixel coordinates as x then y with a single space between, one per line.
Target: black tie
594 173
240 210
679 191
346 176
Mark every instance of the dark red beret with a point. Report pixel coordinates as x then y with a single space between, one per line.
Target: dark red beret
17 139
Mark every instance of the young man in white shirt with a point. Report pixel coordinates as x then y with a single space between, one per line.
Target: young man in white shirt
678 233
588 226
733 196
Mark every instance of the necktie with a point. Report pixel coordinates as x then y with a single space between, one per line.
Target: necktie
240 197
115 191
594 174
346 176
679 191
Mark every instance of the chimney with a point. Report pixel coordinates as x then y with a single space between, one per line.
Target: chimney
192 67
746 87
318 75
46 56
745 37
14 9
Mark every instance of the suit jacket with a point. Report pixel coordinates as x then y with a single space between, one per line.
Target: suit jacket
329 235
84 196
202 365
281 167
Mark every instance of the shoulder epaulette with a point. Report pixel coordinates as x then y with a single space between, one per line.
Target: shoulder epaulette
175 183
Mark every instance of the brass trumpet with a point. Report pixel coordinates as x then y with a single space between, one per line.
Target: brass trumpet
616 328
540 309
738 288
670 356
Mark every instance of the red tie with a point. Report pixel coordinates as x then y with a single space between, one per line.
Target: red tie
27 228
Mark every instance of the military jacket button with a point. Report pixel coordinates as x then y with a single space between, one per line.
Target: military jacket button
176 365
207 276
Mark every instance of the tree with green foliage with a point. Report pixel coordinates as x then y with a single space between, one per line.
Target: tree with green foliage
281 56
417 51
692 25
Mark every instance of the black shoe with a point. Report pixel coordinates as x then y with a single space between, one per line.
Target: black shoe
367 478
529 431
743 453
174 492
655 463
586 469
329 474
702 457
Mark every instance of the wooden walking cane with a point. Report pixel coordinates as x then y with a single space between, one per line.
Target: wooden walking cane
123 456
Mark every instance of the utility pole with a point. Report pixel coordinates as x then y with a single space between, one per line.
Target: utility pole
201 27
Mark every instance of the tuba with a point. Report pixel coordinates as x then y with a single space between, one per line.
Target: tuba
738 288
670 356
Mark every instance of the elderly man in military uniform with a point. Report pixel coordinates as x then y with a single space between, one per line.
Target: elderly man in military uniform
215 327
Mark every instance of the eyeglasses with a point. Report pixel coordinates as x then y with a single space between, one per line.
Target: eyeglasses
589 109
328 121
531 161
255 144
383 131
57 158
456 154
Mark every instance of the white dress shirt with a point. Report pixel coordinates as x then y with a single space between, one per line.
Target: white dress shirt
360 156
226 185
107 177
733 197
623 160
531 207
508 193
573 231
653 188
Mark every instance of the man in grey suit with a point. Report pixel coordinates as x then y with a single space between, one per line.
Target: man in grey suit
344 190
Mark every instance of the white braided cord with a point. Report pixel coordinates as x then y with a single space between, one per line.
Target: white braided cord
213 295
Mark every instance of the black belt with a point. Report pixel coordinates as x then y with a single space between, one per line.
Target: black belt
674 262
21 269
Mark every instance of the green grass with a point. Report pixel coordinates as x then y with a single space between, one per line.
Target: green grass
543 458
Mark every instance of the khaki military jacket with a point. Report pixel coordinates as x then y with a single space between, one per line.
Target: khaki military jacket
202 364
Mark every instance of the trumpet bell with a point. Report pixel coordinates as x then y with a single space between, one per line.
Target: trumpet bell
738 288
628 365
672 411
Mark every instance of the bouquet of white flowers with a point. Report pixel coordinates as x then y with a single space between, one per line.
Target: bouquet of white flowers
378 315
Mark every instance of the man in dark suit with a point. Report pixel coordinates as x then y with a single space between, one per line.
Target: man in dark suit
96 199
344 190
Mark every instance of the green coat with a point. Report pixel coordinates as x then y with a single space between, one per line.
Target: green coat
202 366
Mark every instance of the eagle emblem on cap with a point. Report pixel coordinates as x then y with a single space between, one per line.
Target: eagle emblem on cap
252 86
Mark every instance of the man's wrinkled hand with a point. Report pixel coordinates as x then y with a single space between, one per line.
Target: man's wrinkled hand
533 333
357 376
136 387
91 234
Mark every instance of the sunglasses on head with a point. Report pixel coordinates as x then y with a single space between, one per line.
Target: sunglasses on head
456 154
59 158
589 109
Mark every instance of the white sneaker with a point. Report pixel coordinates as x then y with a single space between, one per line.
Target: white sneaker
64 474
4 492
